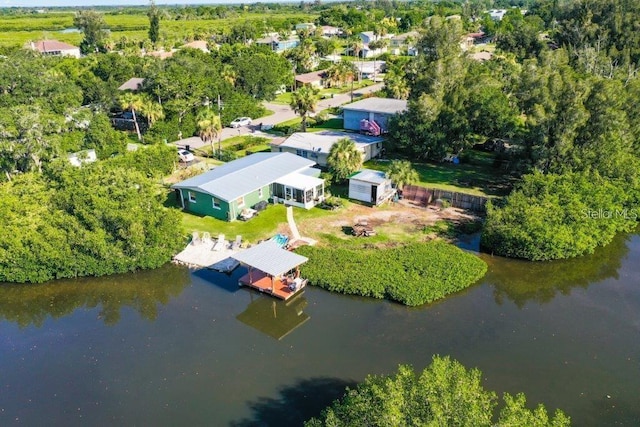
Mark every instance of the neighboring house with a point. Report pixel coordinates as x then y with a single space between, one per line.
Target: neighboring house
377 110
368 37
197 44
55 48
227 190
314 79
162 54
404 42
370 186
305 26
316 145
370 68
82 157
329 31
497 14
277 44
134 84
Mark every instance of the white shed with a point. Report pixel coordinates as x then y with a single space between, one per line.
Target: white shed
370 186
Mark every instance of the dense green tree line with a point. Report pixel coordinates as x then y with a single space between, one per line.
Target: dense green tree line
445 393
90 221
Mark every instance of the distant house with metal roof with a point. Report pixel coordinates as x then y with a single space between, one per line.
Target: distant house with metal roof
55 48
377 110
226 191
370 186
278 44
316 145
134 84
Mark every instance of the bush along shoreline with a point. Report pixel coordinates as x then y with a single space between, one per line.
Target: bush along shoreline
413 274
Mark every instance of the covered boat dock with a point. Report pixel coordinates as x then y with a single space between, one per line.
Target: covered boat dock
272 270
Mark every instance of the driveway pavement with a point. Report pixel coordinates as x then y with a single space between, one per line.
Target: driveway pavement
282 113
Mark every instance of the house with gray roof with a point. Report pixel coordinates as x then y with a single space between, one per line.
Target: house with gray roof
226 191
316 145
377 110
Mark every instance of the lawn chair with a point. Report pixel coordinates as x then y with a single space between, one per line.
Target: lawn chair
220 243
206 238
195 238
236 245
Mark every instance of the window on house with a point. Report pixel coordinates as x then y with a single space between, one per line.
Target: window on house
302 153
260 193
192 196
240 201
215 203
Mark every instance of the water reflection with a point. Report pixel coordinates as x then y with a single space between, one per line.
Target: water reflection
142 291
523 281
274 317
294 403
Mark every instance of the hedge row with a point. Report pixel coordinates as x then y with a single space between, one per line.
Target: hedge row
414 274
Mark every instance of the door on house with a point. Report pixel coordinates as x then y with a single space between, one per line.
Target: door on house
374 194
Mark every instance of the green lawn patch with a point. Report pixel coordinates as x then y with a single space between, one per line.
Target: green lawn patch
475 175
263 226
283 98
415 274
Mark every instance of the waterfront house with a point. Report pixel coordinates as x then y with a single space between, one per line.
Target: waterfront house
316 145
227 191
277 43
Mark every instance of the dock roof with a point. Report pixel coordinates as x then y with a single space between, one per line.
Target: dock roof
270 258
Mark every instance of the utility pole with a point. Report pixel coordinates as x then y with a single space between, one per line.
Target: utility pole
220 133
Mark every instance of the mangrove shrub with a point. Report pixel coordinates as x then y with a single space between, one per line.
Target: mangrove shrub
414 274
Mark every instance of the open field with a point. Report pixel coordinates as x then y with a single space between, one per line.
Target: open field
18 30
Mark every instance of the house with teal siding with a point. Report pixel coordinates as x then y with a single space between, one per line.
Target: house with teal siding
227 190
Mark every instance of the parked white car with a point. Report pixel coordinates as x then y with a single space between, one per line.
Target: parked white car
185 156
240 121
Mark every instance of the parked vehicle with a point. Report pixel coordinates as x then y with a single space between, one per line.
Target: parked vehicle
185 156
240 121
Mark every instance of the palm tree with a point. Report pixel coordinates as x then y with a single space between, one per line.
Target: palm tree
395 85
375 45
303 102
209 127
402 173
152 111
344 159
133 102
357 45
229 75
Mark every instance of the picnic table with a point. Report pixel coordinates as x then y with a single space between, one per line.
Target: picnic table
362 229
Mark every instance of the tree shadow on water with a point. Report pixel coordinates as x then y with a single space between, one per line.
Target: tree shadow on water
296 403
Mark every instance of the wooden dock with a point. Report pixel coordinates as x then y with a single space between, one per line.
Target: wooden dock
262 282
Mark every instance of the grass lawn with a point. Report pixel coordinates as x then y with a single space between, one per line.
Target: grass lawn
283 98
263 226
475 176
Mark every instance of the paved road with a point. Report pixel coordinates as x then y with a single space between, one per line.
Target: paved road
282 113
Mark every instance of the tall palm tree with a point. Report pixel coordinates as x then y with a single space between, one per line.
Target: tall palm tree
229 75
303 102
133 102
402 173
209 127
356 46
153 111
344 159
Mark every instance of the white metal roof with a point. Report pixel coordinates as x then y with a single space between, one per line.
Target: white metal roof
378 105
321 142
270 258
300 181
370 176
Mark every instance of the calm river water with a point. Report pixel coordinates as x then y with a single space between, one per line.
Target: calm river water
171 347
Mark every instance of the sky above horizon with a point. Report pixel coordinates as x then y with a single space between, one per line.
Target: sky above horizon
75 3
